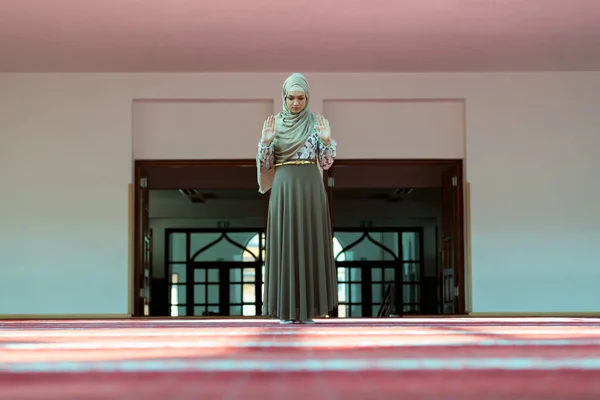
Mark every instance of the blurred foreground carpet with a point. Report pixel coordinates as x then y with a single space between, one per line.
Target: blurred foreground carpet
410 358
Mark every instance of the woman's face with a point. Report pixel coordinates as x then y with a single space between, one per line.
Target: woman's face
296 101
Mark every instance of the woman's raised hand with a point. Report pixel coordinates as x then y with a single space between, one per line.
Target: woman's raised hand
323 129
268 132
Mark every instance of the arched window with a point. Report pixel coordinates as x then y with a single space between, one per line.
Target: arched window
253 243
253 247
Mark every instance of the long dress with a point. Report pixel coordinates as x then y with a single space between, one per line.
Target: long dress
300 273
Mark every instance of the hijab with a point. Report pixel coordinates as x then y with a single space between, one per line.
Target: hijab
291 130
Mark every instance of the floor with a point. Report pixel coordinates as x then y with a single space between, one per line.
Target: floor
403 358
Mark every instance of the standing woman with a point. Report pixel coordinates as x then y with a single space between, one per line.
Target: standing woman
300 272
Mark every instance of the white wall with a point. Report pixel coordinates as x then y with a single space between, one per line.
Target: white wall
531 143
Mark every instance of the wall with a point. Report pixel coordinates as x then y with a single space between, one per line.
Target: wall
66 145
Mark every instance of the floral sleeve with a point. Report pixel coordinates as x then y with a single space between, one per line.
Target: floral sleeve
326 154
265 155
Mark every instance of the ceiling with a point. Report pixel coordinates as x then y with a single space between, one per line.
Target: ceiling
306 36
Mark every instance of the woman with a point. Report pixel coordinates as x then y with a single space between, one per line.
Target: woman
300 273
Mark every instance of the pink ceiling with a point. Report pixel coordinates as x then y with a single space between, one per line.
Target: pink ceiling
305 35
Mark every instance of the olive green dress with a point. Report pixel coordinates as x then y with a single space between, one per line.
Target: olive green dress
300 273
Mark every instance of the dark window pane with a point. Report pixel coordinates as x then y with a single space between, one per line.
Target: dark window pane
235 275
199 294
235 293
177 247
200 275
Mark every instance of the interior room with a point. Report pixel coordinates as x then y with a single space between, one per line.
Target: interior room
464 199
208 245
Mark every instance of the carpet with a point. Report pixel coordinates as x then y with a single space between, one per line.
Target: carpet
407 358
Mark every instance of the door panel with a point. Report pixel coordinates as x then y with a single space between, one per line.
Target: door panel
449 250
145 246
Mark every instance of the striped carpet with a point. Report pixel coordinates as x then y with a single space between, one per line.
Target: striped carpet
411 358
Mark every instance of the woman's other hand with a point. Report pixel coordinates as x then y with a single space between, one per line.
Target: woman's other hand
323 129
268 132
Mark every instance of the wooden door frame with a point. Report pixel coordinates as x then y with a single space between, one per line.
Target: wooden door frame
461 270
139 165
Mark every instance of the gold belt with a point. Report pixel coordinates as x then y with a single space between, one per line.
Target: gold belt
295 162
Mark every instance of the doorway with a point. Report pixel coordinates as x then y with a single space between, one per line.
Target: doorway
379 184
407 214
